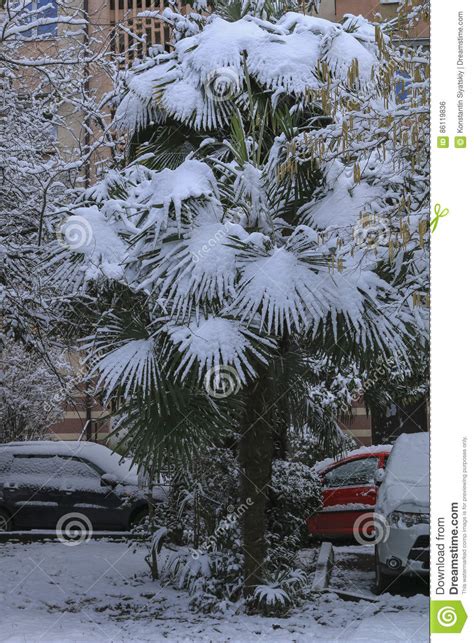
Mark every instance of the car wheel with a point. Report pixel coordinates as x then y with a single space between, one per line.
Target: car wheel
5 521
382 579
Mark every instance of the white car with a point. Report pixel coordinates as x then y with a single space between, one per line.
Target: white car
402 511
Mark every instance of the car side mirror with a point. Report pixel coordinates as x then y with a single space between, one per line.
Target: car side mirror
379 476
108 480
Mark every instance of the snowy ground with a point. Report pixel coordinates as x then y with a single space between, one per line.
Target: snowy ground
101 591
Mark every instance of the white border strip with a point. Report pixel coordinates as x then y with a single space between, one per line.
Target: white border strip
452 327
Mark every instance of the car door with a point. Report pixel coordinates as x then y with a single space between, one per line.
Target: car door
31 491
348 492
83 491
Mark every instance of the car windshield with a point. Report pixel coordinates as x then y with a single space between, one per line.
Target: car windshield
352 473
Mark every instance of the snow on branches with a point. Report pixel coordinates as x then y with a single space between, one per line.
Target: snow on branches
53 130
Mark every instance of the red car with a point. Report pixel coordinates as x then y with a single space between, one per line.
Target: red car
349 491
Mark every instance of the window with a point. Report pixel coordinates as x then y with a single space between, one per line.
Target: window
5 461
155 35
50 10
53 470
78 475
77 468
402 86
33 470
39 9
352 473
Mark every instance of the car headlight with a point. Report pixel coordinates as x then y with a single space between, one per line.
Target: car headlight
406 519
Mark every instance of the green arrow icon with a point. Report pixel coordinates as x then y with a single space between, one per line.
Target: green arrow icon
447 617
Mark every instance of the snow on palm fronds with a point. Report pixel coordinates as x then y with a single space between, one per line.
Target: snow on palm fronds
123 358
264 230
210 70
138 203
158 540
180 567
213 342
271 595
138 108
283 593
345 198
199 269
222 281
132 364
211 578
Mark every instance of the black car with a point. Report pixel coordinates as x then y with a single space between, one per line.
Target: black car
43 482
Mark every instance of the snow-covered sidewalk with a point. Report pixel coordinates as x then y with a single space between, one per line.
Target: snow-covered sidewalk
101 591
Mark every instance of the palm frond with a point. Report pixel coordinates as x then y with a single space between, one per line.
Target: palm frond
175 424
216 343
130 366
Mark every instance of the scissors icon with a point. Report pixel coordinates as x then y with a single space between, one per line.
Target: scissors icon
439 214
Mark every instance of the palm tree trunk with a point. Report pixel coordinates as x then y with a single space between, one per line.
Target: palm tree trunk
281 412
255 458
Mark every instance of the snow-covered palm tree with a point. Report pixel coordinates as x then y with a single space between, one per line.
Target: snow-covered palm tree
269 231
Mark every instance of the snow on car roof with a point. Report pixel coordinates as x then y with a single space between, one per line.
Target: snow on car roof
366 450
98 454
406 474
